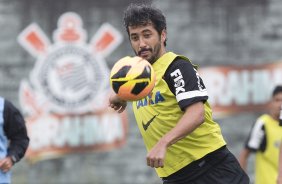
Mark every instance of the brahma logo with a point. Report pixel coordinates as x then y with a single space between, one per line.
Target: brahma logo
68 87
241 89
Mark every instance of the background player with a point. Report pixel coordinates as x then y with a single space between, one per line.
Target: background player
264 140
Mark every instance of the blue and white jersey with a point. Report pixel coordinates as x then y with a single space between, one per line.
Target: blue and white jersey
4 177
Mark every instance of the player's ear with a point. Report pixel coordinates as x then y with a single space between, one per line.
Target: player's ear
163 36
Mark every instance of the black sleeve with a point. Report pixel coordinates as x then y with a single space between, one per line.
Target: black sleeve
256 140
185 83
15 129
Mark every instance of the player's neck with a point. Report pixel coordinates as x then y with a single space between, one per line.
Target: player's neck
274 116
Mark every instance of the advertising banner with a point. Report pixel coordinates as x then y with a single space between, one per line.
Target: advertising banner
239 89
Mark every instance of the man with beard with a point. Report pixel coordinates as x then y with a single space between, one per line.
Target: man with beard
184 144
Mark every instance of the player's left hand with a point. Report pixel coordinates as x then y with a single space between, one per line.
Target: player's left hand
6 164
155 157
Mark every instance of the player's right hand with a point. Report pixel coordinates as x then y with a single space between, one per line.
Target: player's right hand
117 104
6 164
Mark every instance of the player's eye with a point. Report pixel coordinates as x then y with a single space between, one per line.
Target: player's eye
147 35
134 38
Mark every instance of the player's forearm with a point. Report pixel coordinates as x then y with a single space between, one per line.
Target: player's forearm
243 158
192 118
280 166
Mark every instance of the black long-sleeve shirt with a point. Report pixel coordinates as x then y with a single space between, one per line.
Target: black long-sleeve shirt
15 130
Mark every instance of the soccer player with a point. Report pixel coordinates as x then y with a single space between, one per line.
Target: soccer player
279 179
264 140
184 144
13 138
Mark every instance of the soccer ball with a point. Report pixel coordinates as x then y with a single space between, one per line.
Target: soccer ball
132 78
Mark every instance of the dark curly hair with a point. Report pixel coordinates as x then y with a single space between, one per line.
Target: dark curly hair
142 14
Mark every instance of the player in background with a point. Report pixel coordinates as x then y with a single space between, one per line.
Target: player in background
184 144
264 140
279 179
13 139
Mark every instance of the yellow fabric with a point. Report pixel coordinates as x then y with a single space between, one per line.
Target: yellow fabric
267 162
162 109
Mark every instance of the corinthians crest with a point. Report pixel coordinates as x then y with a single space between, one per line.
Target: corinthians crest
70 76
